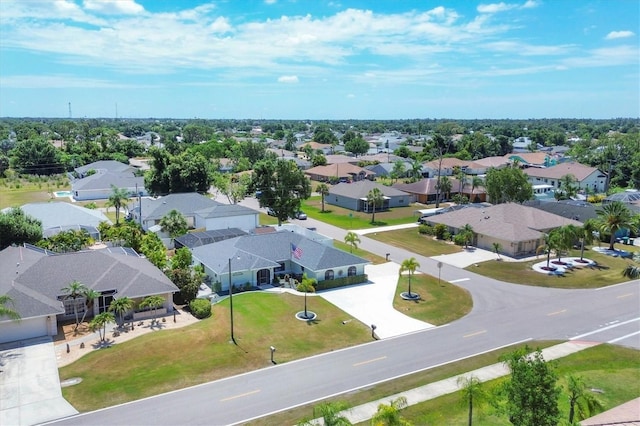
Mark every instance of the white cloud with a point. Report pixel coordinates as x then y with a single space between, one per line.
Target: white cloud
530 4
351 96
495 7
115 7
619 34
270 1
288 79
220 25
60 81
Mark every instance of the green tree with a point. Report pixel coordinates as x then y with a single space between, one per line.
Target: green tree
329 412
90 295
440 146
75 290
416 170
17 227
398 170
153 249
508 185
353 240
182 258
471 390
389 414
36 156
323 190
580 399
283 186
153 303
185 172
188 282
67 241
100 321
174 224
568 188
234 187
117 199
357 146
445 186
585 234
6 310
549 244
307 285
374 199
467 233
410 265
476 182
632 271
614 217
497 248
532 393
121 306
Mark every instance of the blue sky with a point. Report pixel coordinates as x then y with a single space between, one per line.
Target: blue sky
316 59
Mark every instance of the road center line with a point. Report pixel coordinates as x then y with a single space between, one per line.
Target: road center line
369 361
624 295
557 312
474 334
240 396
459 280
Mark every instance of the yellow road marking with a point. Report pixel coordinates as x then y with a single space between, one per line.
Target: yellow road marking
474 334
240 396
369 361
557 312
625 295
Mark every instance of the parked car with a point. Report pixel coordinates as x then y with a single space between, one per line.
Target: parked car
270 212
301 215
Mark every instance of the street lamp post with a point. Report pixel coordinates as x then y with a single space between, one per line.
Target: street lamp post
233 339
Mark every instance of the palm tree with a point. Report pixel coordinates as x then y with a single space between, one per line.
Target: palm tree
330 414
6 311
152 302
476 182
174 224
410 265
353 240
569 190
549 244
117 199
497 247
585 234
323 190
471 389
306 286
580 399
100 321
416 170
615 216
374 199
75 290
445 186
90 296
633 271
467 233
462 179
389 414
121 306
565 237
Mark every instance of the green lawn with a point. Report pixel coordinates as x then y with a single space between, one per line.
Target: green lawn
607 272
349 219
411 240
167 360
16 191
373 258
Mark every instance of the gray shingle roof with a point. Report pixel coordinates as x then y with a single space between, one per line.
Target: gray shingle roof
186 203
61 214
361 188
105 165
104 180
197 239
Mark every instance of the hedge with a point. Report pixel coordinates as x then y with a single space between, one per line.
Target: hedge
342 282
200 308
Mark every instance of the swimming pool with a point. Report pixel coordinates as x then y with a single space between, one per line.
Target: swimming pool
59 194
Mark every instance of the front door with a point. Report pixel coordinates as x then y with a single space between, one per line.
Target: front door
263 277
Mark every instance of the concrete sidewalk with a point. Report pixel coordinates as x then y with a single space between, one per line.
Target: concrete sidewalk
364 412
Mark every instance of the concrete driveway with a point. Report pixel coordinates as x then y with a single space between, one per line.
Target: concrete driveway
29 384
372 303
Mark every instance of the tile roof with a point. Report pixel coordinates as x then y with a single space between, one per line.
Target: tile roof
500 161
579 171
339 170
509 222
447 163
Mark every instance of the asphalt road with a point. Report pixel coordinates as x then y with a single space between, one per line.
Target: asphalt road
503 314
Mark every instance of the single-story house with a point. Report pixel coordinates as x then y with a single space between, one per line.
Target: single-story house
385 169
587 177
424 191
325 148
201 238
446 168
518 229
258 259
339 172
353 196
99 185
60 216
571 209
523 144
198 210
481 165
530 159
33 278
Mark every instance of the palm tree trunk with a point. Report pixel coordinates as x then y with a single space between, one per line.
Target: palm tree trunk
612 241
305 304
409 283
582 249
470 409
572 410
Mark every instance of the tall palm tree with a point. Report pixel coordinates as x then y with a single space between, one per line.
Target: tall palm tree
374 199
152 302
549 244
416 170
100 321
410 265
5 310
330 413
121 306
306 286
174 224
476 182
389 414
75 290
445 186
566 236
580 399
567 186
353 240
323 190
90 296
615 216
585 234
467 233
462 179
471 389
117 199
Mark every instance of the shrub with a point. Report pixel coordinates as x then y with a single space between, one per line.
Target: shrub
341 282
440 230
200 308
425 229
459 239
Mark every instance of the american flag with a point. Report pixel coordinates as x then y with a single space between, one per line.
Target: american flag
296 251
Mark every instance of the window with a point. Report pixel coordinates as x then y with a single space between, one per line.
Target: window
328 275
351 272
68 306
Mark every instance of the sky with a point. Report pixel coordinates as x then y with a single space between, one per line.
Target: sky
320 59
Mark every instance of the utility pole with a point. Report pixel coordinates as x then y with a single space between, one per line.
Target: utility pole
69 110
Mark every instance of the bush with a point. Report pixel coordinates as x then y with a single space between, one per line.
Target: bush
341 282
459 239
440 230
200 308
425 229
